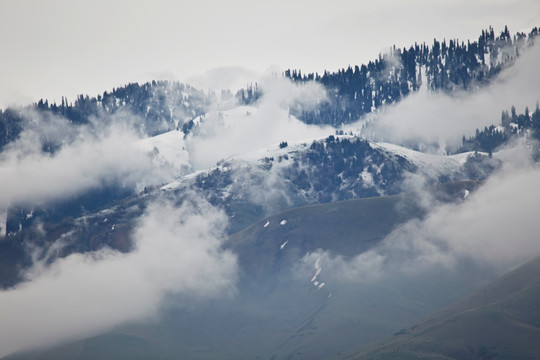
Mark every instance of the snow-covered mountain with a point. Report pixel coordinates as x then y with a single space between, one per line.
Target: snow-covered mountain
289 209
281 175
326 169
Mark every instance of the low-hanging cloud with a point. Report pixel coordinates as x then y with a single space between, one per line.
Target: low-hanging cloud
223 134
105 151
177 250
495 227
441 119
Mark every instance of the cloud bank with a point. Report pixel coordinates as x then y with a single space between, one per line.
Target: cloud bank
494 226
106 151
434 117
244 129
177 251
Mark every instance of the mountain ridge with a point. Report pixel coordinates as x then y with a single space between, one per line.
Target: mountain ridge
329 240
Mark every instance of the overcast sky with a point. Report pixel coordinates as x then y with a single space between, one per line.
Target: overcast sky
51 48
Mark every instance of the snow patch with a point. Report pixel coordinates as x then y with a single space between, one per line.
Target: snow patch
169 149
318 270
431 164
183 180
3 221
367 178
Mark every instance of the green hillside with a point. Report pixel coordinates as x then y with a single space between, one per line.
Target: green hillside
277 311
499 321
346 228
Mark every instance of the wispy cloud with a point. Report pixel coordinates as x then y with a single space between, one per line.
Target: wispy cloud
177 250
223 134
105 151
440 119
495 226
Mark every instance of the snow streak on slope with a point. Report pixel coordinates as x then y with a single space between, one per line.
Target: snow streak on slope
3 219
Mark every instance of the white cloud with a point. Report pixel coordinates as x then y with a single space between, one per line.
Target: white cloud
495 226
176 251
498 223
90 156
223 134
437 118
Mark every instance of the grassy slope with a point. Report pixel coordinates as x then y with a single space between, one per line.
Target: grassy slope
346 227
276 314
499 321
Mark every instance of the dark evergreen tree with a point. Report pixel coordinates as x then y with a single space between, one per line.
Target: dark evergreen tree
448 66
161 105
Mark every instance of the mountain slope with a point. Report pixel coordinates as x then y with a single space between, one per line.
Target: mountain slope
499 321
323 170
346 228
279 311
443 66
247 187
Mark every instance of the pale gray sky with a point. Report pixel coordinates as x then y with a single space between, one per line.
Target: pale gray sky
50 48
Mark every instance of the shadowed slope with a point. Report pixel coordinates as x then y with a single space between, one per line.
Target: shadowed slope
499 321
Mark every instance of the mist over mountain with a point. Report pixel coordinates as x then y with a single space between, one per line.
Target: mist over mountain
304 216
444 66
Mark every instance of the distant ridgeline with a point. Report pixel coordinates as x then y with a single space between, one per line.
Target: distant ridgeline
511 125
161 105
445 66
